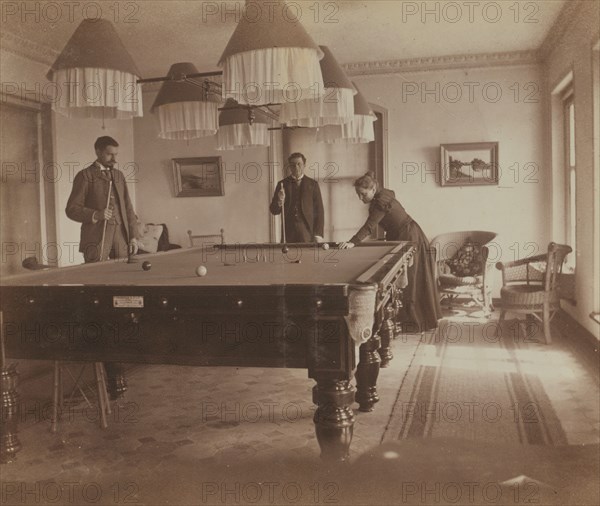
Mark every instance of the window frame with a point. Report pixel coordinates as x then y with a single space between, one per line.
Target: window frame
570 172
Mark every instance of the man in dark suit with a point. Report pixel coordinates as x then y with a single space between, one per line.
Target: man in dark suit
103 216
100 201
299 197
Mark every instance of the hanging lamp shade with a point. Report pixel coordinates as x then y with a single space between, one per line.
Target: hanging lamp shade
334 107
95 76
238 130
358 130
270 57
185 110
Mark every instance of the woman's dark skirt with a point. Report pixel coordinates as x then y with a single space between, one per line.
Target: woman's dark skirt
420 298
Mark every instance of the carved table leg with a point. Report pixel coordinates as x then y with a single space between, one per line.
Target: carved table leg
9 420
334 418
367 372
398 311
386 331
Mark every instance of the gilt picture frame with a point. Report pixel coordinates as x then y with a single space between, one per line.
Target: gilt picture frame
198 176
469 164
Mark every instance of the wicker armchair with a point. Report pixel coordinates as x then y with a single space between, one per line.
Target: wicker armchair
476 287
530 286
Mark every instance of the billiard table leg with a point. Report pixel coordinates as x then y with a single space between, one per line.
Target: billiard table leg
334 418
9 419
386 332
367 372
398 312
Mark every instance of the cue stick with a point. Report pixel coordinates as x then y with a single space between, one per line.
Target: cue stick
283 213
105 221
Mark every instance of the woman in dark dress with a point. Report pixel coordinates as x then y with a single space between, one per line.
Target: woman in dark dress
420 298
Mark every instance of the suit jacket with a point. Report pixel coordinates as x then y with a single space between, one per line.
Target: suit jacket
90 194
311 203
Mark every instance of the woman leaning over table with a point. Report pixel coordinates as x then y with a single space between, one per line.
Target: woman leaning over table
420 298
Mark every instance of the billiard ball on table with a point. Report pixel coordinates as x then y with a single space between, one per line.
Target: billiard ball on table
201 271
146 266
325 246
285 249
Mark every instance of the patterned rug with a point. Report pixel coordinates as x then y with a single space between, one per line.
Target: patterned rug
476 380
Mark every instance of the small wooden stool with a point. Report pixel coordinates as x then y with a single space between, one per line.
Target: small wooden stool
102 394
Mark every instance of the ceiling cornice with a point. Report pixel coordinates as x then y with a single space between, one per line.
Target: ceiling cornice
458 61
566 16
16 44
43 54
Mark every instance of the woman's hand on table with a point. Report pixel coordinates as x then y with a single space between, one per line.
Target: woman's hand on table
346 245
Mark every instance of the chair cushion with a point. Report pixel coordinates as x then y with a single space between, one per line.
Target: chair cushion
468 260
448 280
526 295
149 236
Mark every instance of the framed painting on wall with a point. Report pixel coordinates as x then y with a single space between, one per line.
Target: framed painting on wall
198 177
469 164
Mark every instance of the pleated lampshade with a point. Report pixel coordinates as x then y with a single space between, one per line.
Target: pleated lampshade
95 75
185 110
236 131
358 130
334 107
270 57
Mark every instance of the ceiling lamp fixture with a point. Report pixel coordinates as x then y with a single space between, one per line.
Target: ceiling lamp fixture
95 76
187 109
242 127
270 58
334 107
359 130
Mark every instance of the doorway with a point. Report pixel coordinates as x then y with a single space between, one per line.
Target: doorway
27 219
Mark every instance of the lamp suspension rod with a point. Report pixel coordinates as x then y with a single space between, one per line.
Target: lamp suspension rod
285 127
243 106
167 78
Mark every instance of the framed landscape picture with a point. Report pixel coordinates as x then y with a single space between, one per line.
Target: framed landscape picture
198 177
469 164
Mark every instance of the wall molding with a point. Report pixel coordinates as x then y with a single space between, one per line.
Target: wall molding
20 46
459 61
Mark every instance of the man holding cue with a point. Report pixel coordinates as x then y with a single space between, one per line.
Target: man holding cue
100 201
298 199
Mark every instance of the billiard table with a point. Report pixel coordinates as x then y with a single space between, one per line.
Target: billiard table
257 305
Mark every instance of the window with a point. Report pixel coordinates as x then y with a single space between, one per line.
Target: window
570 173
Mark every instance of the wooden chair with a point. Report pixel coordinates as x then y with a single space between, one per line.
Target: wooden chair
530 285
476 287
206 238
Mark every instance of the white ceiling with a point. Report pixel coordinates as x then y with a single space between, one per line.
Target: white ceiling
158 33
